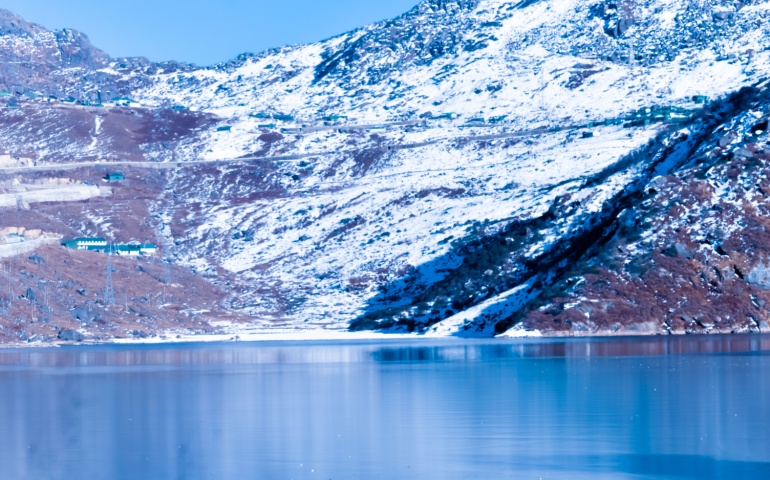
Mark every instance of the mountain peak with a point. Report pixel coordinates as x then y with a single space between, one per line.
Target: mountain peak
77 49
36 54
446 5
12 24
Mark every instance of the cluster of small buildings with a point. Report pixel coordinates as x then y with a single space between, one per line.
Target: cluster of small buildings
276 116
93 100
650 115
101 245
267 126
484 120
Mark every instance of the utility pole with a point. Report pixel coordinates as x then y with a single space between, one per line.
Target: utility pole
167 271
109 290
8 277
6 304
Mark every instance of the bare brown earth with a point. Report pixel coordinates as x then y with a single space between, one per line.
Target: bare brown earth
122 217
59 133
55 290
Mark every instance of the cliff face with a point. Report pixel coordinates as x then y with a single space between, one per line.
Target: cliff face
64 63
34 58
467 168
689 253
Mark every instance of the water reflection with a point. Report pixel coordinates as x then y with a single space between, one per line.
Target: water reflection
382 351
608 408
571 348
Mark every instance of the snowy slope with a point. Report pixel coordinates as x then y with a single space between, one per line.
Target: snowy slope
327 221
343 225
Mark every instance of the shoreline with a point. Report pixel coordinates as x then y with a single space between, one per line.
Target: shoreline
266 336
173 338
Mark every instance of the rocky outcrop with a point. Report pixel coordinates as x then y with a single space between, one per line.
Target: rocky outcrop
690 255
432 30
65 63
34 57
71 336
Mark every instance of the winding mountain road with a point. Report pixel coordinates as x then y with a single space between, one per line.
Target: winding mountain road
44 167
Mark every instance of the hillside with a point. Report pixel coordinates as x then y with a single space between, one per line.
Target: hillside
468 168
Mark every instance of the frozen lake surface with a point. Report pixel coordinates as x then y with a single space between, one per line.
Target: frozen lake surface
680 408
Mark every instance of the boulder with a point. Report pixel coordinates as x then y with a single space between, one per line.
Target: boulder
727 139
70 336
759 276
646 328
84 314
745 153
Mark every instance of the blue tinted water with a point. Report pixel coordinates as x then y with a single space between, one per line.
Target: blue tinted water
675 408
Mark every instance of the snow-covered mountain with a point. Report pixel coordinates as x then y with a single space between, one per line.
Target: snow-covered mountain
64 63
440 172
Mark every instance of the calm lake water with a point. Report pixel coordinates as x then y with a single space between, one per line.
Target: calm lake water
694 407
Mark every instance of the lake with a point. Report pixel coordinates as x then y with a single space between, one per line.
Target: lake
660 407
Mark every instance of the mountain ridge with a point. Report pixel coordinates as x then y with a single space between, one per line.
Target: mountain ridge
456 170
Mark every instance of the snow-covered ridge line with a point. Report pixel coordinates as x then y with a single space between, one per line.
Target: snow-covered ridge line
386 156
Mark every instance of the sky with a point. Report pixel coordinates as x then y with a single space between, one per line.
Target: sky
204 31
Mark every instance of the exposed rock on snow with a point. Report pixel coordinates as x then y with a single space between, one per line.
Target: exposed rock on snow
468 168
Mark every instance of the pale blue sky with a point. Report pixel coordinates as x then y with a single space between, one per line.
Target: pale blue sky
204 31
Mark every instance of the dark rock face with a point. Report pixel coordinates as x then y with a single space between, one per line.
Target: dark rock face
70 336
691 254
76 50
684 252
617 16
433 29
